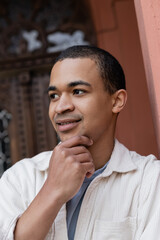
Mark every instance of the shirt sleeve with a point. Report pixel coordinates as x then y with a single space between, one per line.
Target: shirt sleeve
149 204
11 204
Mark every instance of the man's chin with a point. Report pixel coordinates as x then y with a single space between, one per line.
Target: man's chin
65 137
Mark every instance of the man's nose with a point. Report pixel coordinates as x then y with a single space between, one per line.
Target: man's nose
64 104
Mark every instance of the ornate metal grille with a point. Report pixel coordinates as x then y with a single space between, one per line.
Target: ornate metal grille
31 28
5 160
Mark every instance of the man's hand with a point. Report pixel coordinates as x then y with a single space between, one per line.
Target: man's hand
70 163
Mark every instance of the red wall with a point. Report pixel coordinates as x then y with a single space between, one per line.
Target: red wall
117 32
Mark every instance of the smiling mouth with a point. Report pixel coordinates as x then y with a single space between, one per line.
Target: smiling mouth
68 125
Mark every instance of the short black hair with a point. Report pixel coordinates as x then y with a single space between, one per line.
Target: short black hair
110 69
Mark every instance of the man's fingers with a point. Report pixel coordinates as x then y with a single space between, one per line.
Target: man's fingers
88 168
78 150
84 157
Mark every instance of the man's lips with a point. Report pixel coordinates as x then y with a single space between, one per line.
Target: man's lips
67 121
67 124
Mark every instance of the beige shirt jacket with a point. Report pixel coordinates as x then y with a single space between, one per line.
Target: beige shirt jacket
122 203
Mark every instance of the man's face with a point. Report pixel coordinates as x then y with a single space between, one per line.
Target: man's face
79 103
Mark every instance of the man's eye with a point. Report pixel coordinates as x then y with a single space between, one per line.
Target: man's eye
53 96
78 91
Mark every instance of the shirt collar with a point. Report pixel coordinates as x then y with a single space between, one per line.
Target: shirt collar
42 160
120 160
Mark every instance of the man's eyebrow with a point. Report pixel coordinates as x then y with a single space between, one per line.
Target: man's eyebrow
79 82
71 84
51 88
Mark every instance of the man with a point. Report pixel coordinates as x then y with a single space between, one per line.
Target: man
90 186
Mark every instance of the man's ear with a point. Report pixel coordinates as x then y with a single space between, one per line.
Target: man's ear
119 100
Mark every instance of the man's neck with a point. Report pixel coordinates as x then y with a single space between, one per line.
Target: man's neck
101 151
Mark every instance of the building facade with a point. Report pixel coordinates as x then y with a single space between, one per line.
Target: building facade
32 33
